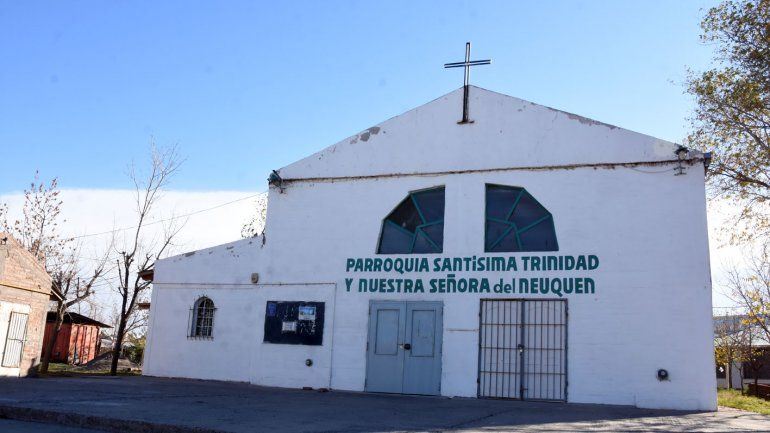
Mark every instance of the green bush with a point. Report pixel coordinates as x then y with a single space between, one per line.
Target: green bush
135 353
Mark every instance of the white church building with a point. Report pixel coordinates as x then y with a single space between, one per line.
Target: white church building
527 254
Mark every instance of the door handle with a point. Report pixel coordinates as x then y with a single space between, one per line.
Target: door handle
406 346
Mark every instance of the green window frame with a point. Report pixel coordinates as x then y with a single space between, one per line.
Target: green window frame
516 222
416 225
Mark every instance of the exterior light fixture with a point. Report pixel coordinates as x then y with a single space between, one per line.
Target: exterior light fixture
681 155
275 180
706 161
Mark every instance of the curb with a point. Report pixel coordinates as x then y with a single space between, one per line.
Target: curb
104 423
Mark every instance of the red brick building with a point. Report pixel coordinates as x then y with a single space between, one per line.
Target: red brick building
25 293
78 340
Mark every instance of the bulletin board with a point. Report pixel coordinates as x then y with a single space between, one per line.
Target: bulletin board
294 322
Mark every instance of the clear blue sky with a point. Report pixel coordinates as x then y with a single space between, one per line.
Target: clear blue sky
245 87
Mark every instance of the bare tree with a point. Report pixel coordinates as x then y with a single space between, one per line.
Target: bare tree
73 290
38 231
140 249
135 324
750 288
256 224
38 227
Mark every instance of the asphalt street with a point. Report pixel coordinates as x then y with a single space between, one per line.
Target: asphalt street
146 404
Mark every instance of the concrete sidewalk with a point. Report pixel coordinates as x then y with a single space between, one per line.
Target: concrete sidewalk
145 404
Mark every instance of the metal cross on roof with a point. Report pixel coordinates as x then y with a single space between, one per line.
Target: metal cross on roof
466 81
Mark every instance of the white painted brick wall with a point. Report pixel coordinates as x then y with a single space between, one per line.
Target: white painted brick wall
651 309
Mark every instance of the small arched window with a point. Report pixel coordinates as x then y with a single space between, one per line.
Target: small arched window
515 221
416 225
202 318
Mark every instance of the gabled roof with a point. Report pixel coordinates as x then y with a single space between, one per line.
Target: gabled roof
33 276
507 133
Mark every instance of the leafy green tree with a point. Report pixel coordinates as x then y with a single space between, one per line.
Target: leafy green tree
732 118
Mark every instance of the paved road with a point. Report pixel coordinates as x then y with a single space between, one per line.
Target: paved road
154 404
13 426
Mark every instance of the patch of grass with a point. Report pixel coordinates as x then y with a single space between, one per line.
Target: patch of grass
733 398
56 369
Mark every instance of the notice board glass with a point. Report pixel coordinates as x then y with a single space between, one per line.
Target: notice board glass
294 322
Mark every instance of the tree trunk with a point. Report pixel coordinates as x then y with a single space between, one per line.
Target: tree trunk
118 345
52 342
740 376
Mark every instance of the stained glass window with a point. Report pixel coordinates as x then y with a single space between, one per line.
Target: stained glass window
416 225
516 221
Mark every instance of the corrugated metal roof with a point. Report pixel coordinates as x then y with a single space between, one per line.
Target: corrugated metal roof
77 319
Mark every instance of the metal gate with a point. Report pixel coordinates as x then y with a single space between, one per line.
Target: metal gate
523 349
14 340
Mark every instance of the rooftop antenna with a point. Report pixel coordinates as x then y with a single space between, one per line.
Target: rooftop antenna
466 80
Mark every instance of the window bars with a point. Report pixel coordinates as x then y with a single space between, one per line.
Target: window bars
201 320
14 340
523 349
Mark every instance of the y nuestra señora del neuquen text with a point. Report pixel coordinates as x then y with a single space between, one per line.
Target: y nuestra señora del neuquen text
451 282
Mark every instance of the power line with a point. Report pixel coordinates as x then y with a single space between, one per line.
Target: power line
168 219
